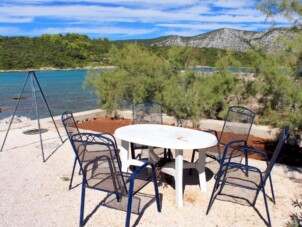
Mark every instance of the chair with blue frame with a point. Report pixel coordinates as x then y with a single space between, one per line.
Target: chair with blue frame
99 160
147 113
235 131
232 175
71 128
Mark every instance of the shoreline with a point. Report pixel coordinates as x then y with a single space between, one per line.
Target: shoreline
57 69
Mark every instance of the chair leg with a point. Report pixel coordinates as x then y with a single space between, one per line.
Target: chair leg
213 191
168 154
165 154
72 173
211 200
193 156
272 189
82 204
246 163
266 207
192 160
156 188
132 153
129 207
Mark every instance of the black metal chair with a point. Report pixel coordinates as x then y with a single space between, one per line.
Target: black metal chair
243 176
100 164
235 131
147 113
71 128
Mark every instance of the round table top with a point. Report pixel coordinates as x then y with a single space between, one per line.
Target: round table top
157 135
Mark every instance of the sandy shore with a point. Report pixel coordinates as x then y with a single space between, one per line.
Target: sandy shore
35 193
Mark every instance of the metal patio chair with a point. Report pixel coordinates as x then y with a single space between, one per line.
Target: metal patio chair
147 113
234 178
235 131
71 128
100 164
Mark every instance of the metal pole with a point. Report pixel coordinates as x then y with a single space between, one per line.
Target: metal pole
33 73
37 113
14 112
33 79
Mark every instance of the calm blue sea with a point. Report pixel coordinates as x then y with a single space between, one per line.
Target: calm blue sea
62 89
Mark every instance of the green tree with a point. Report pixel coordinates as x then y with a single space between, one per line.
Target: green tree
139 76
143 75
71 50
279 83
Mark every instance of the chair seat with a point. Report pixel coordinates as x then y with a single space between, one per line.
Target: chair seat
237 176
237 186
101 177
93 151
105 183
214 153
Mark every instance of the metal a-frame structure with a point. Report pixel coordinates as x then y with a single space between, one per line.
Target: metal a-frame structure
35 87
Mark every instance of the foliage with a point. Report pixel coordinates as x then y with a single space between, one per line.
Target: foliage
143 75
296 218
193 96
191 56
276 88
58 51
291 9
139 76
278 83
279 88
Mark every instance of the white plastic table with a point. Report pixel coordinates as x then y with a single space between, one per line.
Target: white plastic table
176 138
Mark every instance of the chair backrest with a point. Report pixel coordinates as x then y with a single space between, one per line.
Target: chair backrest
147 113
276 154
99 162
69 124
237 124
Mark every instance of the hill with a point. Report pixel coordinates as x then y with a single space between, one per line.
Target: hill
75 50
225 38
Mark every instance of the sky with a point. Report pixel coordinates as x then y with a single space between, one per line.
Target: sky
129 19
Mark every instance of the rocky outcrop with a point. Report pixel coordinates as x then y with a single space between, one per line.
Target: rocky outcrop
225 38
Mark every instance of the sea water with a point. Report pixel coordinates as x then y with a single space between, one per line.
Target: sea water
63 90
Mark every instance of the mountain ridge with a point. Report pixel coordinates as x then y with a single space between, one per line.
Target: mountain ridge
223 38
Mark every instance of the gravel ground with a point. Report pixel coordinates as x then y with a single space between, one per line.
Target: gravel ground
35 193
